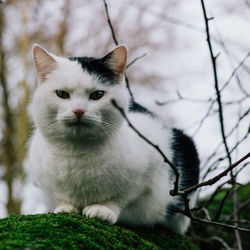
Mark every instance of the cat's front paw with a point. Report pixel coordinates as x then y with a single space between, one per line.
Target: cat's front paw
66 209
101 212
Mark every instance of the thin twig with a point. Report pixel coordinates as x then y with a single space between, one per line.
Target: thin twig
221 185
241 140
238 221
220 90
229 55
128 87
206 213
243 167
223 243
235 213
230 132
217 216
216 178
219 224
216 84
212 168
243 205
175 189
135 60
235 71
221 119
188 213
215 193
116 43
109 22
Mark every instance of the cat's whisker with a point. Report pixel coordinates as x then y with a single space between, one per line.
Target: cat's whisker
109 125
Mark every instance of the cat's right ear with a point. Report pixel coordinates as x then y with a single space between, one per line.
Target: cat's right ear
44 62
116 60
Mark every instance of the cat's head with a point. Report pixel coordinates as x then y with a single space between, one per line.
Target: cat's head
73 98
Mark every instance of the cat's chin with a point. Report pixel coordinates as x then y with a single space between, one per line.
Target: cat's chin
82 131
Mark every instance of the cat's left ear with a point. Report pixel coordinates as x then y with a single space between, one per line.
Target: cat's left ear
44 61
116 60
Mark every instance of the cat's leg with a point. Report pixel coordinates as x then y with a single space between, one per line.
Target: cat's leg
108 211
175 221
67 208
178 223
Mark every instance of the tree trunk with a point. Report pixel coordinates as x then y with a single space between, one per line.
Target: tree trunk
8 151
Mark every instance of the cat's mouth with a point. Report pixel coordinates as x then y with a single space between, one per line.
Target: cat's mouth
78 123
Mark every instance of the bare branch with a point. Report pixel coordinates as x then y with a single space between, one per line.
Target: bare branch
135 60
223 87
216 178
238 221
235 212
241 140
206 213
218 100
235 71
182 98
221 241
217 216
109 22
216 84
221 119
243 205
188 213
229 55
219 224
230 132
245 165
175 190
116 43
128 87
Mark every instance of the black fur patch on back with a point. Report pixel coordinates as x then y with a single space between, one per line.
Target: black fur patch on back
136 107
97 67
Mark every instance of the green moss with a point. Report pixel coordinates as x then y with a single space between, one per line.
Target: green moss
72 231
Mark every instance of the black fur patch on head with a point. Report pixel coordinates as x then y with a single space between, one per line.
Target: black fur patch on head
97 67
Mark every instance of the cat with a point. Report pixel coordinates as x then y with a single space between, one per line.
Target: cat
86 158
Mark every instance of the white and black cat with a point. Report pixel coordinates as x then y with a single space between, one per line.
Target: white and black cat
86 158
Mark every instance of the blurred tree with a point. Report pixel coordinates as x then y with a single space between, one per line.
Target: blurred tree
22 120
9 157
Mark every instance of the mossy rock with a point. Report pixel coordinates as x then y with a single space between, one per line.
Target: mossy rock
73 231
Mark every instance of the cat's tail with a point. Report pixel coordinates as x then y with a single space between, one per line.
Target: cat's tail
185 158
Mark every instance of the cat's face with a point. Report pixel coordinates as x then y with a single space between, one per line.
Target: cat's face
73 99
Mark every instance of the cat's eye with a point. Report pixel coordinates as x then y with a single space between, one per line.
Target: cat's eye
62 94
96 95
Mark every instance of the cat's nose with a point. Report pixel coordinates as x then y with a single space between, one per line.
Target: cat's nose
78 112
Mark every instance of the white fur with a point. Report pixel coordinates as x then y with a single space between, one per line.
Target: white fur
106 171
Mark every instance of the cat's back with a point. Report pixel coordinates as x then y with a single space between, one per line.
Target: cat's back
150 125
176 145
